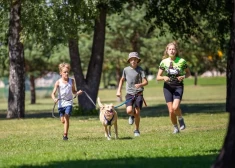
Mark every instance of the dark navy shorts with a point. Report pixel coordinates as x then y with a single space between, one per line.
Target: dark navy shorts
172 92
136 101
65 110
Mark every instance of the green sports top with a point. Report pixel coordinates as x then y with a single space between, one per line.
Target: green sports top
173 69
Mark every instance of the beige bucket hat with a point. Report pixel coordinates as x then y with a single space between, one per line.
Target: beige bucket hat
133 54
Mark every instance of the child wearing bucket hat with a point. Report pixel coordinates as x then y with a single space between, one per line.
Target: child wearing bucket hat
134 55
135 79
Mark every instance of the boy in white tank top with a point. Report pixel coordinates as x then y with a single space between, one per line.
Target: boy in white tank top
66 88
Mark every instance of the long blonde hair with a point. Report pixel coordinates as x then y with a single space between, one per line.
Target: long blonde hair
176 48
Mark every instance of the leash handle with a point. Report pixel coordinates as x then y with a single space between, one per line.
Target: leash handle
145 102
53 110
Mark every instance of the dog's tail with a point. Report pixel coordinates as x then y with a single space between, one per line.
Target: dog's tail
100 104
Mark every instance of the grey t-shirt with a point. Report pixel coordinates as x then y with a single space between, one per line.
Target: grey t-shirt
132 77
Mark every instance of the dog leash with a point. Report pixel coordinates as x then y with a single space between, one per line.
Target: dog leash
53 110
89 98
114 106
145 102
93 102
128 101
124 102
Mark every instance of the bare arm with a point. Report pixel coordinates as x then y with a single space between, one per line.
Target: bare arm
188 73
160 77
119 90
74 89
54 91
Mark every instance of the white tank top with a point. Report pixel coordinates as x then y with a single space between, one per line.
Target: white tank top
65 94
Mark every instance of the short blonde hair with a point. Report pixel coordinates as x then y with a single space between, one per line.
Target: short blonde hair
174 43
64 65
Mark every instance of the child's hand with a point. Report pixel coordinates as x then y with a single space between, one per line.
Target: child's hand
166 78
181 78
138 86
118 94
79 92
55 100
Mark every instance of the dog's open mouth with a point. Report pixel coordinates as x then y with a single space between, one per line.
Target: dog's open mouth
109 111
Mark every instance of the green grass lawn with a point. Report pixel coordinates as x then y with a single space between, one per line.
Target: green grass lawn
36 141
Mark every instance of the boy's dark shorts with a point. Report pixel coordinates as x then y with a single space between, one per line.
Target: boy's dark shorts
137 101
65 110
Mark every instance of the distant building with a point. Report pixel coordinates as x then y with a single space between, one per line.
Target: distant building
213 74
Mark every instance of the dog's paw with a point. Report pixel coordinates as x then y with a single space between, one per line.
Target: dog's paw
108 138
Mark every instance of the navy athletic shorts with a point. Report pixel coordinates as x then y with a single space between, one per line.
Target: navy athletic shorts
136 100
65 110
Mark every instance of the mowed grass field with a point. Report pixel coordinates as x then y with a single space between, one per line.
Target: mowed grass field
36 141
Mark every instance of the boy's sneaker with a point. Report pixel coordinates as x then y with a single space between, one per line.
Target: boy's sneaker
131 120
176 130
65 138
136 133
182 124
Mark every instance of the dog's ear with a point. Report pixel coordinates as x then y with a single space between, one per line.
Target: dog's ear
100 104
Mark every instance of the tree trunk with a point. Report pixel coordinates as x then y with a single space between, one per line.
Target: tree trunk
195 78
91 83
226 158
32 89
96 62
75 62
16 98
118 77
118 72
104 80
135 41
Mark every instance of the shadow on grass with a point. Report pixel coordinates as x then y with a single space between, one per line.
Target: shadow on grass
161 110
153 111
159 162
33 114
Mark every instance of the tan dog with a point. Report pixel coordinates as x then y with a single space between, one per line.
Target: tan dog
108 117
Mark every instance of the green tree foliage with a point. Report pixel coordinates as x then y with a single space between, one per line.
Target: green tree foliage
183 17
150 42
127 31
4 22
124 32
198 25
87 78
61 21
